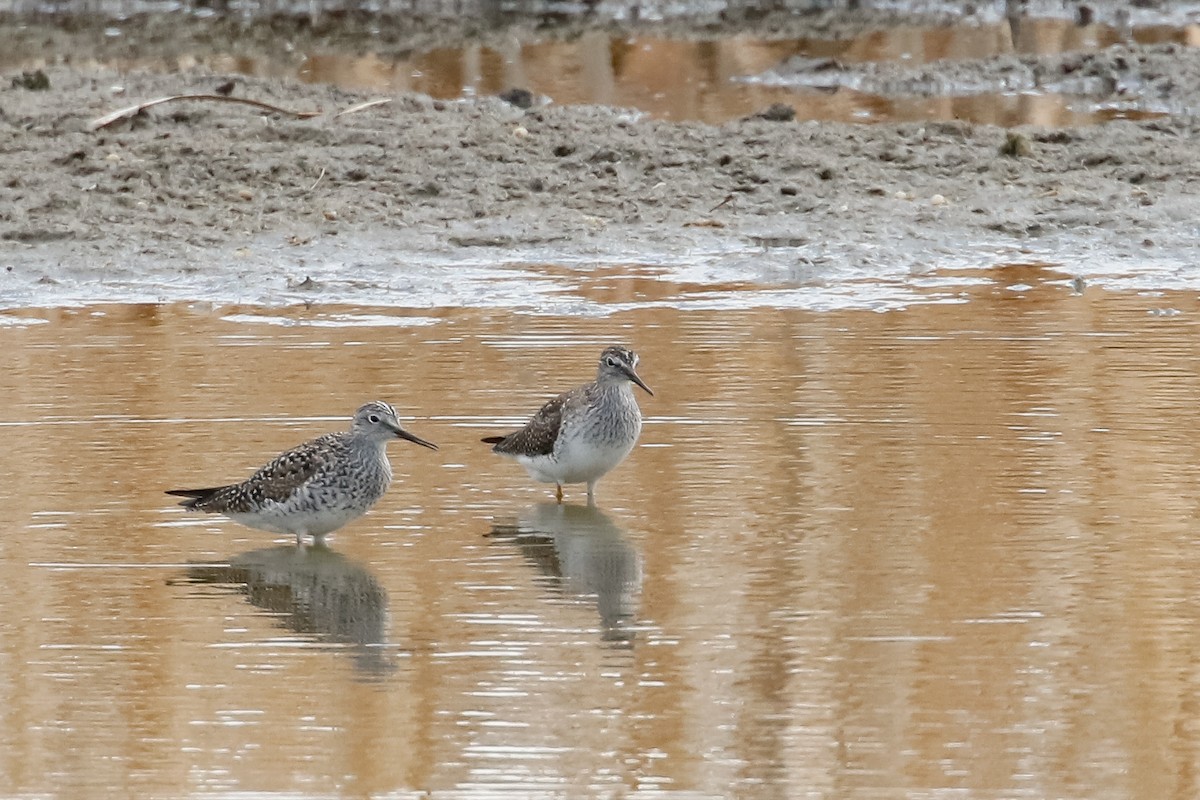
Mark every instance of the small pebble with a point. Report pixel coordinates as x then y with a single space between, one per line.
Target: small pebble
521 98
1016 146
776 112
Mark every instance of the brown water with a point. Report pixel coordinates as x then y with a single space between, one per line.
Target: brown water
945 550
703 80
678 79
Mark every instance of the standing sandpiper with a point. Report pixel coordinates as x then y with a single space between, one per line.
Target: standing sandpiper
315 488
582 434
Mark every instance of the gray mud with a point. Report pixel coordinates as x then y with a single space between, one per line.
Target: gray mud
1156 79
224 202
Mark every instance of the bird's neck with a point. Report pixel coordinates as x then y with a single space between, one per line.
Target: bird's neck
617 387
368 444
608 383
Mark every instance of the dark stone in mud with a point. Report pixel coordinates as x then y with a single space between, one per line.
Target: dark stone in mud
1016 145
1056 137
35 81
776 112
521 98
563 150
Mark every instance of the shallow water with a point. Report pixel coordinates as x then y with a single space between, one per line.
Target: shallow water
720 79
946 549
712 80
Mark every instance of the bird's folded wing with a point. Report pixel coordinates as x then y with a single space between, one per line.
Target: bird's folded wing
291 470
538 435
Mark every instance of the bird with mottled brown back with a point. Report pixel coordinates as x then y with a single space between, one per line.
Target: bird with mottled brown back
581 435
317 487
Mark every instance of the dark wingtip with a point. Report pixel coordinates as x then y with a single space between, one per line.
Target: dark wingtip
188 492
493 439
194 495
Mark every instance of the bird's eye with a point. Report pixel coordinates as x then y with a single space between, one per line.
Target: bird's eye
373 419
612 362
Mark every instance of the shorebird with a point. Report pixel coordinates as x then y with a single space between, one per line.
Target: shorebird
582 434
315 488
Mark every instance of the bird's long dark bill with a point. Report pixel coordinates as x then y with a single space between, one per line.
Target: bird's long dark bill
403 434
633 376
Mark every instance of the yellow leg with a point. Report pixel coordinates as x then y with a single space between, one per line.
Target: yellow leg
558 492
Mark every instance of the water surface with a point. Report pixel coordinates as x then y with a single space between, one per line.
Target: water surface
682 79
941 550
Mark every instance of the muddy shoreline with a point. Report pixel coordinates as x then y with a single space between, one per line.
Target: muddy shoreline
217 201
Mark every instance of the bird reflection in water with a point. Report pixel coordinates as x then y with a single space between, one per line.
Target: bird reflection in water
585 554
315 591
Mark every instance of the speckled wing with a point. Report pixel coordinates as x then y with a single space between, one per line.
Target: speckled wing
276 481
538 436
289 471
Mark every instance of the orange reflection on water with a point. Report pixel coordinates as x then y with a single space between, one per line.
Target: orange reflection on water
681 79
945 549
702 80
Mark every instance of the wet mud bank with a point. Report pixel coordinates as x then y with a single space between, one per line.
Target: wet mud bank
220 201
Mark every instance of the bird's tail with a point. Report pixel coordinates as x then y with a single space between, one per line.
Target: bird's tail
493 439
197 496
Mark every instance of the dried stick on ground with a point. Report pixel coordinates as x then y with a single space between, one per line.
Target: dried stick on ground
132 111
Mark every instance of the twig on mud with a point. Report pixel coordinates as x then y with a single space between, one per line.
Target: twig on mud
728 197
363 106
132 111
318 180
